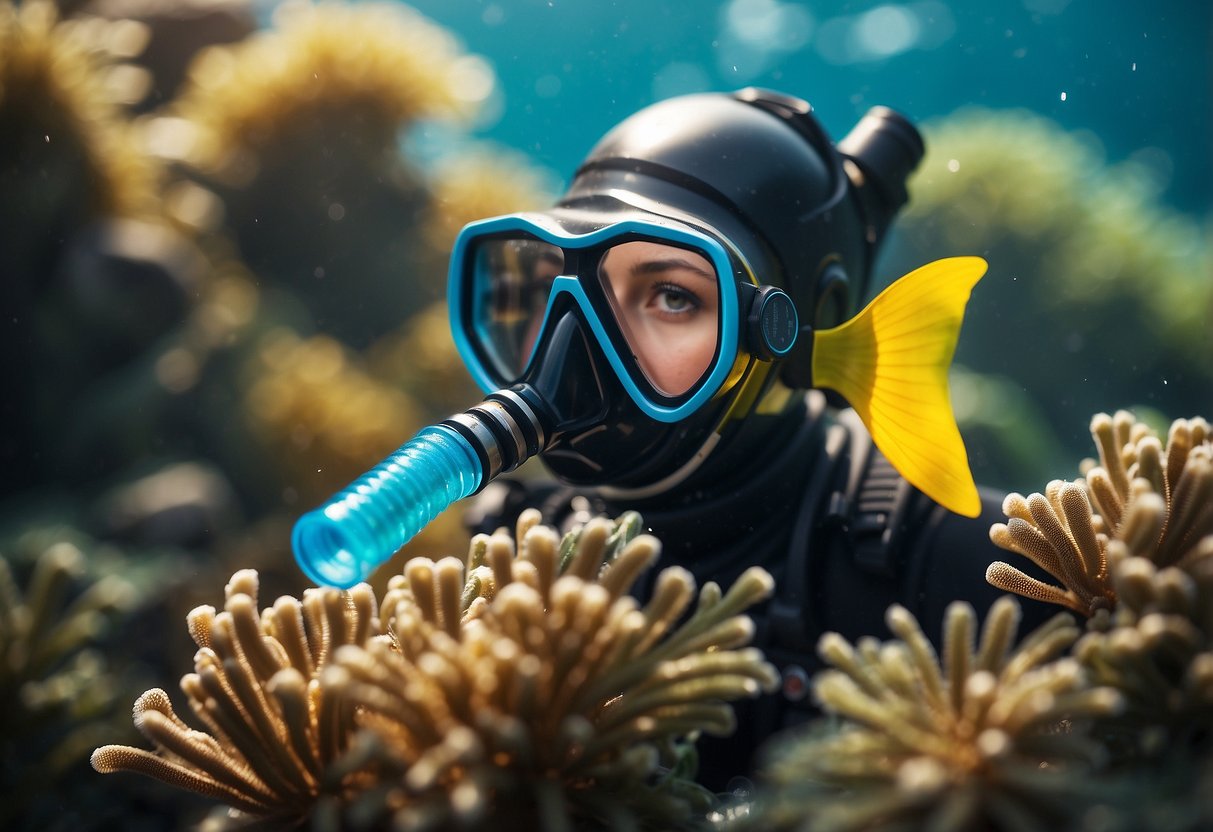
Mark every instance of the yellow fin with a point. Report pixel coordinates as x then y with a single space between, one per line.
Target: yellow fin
891 363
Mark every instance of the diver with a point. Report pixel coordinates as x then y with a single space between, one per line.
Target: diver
663 336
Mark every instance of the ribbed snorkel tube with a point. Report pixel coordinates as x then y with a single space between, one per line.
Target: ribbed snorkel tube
343 541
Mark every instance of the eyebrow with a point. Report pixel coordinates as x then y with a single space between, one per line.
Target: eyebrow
665 264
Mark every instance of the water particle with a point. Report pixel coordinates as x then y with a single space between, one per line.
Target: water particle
953 165
493 15
318 273
1063 96
336 212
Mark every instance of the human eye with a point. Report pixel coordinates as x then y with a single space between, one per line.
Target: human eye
673 300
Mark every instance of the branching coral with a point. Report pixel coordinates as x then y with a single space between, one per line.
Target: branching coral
970 742
525 689
1156 503
271 729
54 688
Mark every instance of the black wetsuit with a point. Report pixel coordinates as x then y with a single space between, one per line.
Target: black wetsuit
841 532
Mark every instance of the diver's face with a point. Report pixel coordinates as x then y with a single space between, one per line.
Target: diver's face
667 302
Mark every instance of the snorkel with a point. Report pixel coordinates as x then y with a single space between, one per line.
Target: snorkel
343 541
581 400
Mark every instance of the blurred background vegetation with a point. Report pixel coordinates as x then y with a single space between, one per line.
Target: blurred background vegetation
223 236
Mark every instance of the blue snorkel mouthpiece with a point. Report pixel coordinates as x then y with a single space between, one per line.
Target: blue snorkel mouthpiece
343 541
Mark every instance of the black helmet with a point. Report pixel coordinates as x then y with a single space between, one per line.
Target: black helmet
756 168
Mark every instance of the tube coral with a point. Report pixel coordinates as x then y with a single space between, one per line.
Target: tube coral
1156 502
521 687
972 741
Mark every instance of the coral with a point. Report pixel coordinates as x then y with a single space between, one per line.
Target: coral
1157 649
56 692
64 144
1156 502
536 693
1019 184
420 357
979 740
301 80
271 729
315 408
1132 544
298 135
482 183
525 688
1077 247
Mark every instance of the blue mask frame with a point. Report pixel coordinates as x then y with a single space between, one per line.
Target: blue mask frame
730 269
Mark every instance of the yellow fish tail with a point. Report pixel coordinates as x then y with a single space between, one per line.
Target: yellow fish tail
891 363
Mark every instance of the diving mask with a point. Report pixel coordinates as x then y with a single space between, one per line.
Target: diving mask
672 308
538 301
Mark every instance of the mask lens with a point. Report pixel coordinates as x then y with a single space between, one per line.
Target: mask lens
513 278
667 302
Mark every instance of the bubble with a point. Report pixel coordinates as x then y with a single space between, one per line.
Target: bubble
887 30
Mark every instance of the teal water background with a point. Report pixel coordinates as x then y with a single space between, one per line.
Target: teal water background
1136 75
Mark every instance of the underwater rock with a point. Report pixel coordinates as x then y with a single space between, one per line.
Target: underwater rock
185 504
523 688
128 282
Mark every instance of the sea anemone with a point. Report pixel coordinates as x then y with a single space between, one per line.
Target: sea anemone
272 730
527 688
1157 649
976 741
524 688
1157 503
